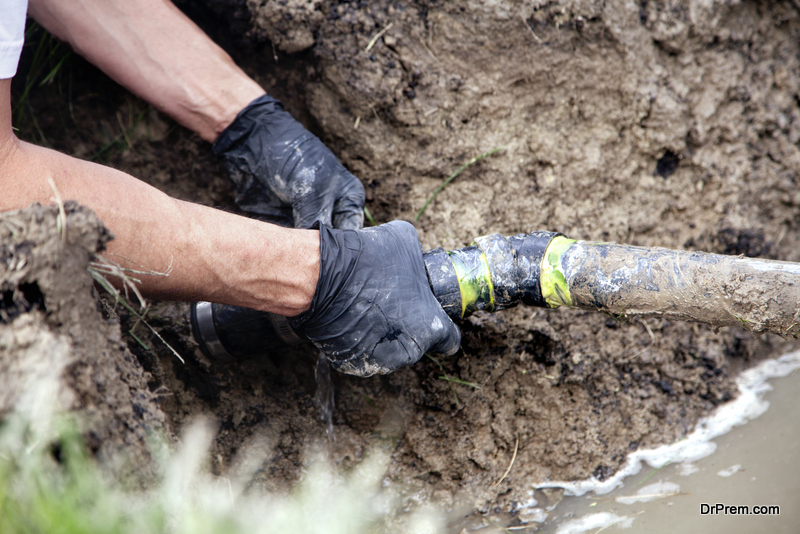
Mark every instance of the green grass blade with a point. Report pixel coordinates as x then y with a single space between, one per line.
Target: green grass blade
30 79
54 71
121 138
139 340
460 381
453 177
369 217
653 472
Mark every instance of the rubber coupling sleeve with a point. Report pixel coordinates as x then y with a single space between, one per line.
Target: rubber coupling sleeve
443 280
529 250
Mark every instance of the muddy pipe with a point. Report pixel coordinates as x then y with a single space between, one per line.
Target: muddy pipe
547 269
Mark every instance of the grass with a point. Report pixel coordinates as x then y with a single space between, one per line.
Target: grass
653 472
369 217
49 119
459 381
61 219
452 380
102 269
122 140
47 64
453 177
49 484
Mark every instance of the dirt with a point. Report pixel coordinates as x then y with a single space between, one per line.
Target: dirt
654 123
59 352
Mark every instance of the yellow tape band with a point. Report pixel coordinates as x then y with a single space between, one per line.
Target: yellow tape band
555 289
474 282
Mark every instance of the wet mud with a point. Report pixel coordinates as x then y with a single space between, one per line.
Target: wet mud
671 124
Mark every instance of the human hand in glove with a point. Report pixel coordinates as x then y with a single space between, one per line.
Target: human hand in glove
284 173
373 310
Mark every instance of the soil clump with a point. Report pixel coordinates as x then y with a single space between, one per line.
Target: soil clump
60 353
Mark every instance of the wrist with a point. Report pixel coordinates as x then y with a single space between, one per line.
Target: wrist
307 267
227 106
287 277
255 118
244 262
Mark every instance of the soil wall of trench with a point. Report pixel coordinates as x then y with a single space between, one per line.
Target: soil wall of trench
669 123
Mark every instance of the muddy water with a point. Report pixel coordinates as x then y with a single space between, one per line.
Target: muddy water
754 464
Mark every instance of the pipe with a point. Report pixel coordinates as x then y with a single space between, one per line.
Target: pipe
548 270
759 295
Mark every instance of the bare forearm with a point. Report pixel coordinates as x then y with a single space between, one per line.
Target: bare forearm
155 51
209 254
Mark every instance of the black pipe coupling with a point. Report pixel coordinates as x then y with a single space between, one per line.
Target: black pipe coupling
494 273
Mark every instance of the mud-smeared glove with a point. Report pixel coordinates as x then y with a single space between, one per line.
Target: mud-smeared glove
284 173
373 310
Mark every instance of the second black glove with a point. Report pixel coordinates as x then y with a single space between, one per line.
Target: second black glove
284 173
373 310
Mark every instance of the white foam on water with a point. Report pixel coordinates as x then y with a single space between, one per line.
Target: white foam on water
533 515
729 471
749 404
687 469
652 492
592 522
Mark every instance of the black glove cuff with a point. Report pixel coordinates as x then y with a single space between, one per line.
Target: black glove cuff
341 248
255 114
300 319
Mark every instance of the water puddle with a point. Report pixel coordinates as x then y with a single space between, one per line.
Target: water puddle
683 487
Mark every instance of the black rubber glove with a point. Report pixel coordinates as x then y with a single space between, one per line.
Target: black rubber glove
373 310
284 173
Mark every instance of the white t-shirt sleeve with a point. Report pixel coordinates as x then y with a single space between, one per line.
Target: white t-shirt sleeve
12 35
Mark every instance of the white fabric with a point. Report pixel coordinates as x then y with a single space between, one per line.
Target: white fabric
12 35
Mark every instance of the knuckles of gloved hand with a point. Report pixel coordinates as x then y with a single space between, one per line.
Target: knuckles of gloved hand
284 174
373 311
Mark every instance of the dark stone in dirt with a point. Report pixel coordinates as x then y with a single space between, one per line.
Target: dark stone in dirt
667 164
19 300
747 242
602 472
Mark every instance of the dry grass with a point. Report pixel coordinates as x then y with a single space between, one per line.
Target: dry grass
103 270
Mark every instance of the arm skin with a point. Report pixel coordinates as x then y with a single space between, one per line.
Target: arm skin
155 51
152 49
211 255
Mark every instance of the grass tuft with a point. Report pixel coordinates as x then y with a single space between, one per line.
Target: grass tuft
104 268
452 380
48 62
123 139
460 381
51 484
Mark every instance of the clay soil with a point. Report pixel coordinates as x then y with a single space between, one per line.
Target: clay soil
670 123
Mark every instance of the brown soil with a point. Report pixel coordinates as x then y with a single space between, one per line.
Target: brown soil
655 123
59 352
